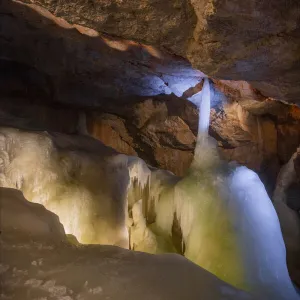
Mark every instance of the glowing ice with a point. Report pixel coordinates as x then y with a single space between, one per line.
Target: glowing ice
260 237
220 214
86 189
228 223
204 109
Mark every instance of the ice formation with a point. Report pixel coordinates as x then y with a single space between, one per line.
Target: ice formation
200 203
83 184
44 267
235 232
219 215
228 223
259 236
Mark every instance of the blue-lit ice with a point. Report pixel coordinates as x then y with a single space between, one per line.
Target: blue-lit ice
232 226
259 236
225 221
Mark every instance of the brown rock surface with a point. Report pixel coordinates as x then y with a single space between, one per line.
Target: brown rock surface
112 132
286 199
107 77
289 136
31 219
161 130
256 41
70 64
297 165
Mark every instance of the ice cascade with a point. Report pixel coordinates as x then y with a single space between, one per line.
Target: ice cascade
219 215
228 223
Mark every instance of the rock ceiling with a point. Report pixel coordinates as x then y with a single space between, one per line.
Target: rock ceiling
256 41
119 61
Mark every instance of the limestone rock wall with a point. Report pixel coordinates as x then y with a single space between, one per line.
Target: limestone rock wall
73 64
256 41
70 65
253 130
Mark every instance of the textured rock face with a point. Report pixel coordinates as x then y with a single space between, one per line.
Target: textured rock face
257 41
63 63
257 132
290 137
23 217
78 66
297 166
168 23
287 203
254 130
159 130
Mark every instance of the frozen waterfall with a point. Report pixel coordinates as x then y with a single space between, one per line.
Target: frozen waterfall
219 215
231 227
204 109
259 236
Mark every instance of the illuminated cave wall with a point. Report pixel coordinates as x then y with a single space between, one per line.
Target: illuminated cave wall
122 86
126 94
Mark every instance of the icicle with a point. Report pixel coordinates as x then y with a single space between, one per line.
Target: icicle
204 109
206 153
